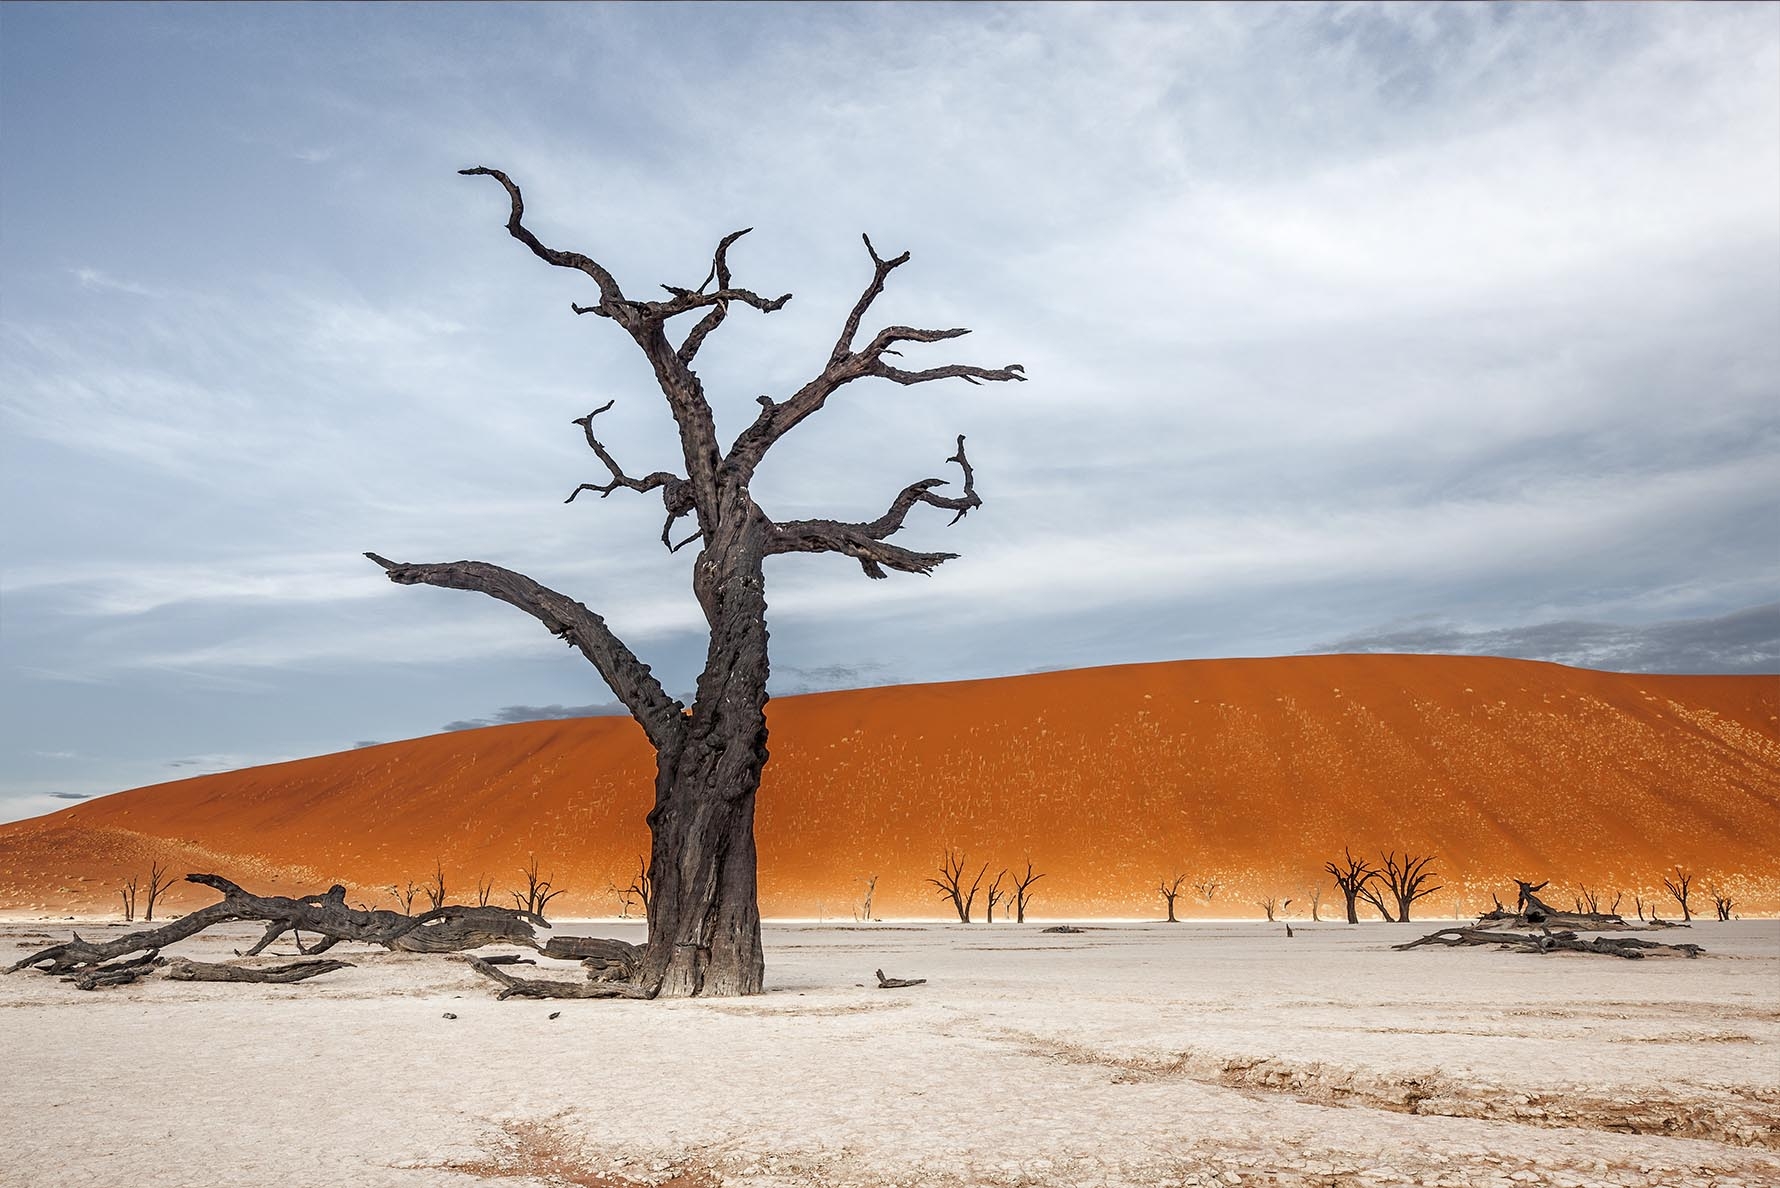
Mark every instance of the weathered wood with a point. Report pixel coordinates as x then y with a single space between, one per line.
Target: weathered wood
704 916
120 974
445 930
537 988
885 983
1552 942
181 969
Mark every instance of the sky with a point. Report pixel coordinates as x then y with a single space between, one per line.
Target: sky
1428 328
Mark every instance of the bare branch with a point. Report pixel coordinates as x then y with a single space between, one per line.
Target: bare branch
676 492
568 620
864 541
611 296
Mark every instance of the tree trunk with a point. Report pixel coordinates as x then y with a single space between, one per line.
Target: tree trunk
1353 912
704 920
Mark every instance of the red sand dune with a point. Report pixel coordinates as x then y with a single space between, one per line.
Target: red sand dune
1252 771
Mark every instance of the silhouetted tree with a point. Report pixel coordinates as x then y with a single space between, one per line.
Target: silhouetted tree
160 881
1406 880
483 891
1170 891
537 893
129 896
1678 887
1270 904
951 885
1722 902
1023 891
642 886
1352 877
435 890
863 911
704 934
405 896
993 896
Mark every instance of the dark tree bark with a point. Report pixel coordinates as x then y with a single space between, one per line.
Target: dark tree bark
951 885
1352 877
993 896
704 919
1406 880
1678 888
129 897
1170 891
1023 892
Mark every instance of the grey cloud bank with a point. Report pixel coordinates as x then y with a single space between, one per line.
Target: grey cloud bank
1456 319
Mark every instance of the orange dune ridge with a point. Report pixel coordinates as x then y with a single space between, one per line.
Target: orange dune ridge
1249 772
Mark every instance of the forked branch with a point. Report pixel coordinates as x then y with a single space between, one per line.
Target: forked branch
676 492
568 620
865 541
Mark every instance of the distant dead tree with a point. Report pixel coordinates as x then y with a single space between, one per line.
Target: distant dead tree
1639 900
1270 904
1352 877
1207 888
160 881
435 890
642 885
863 911
537 894
1724 903
951 885
405 897
1406 880
1586 900
483 891
994 895
1613 908
1678 887
129 896
1169 892
1023 891
1316 905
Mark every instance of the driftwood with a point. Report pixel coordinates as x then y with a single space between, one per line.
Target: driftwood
885 983
1070 928
120 974
447 929
538 988
180 969
1548 941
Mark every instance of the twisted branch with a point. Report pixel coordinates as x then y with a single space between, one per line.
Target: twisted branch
676 492
568 620
864 541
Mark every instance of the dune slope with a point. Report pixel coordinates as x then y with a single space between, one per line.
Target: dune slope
1251 772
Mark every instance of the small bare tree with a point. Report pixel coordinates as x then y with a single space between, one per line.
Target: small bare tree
1270 904
994 896
951 885
1678 887
160 881
483 891
863 911
405 897
129 896
1406 880
1639 900
1023 891
435 890
1170 890
1587 901
1316 905
537 894
1351 877
642 885
1207 888
1723 902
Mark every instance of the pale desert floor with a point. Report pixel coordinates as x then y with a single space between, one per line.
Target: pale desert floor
1130 1054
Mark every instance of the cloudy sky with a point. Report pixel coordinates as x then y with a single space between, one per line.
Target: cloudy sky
1436 328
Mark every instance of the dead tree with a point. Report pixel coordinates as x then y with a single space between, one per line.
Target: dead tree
405 896
1639 900
863 911
641 886
1406 880
1023 891
1170 891
704 935
435 890
993 896
450 929
1207 889
1678 888
129 896
1722 902
1373 894
160 879
1547 941
1271 904
951 885
1586 900
1316 905
1352 877
483 891
537 894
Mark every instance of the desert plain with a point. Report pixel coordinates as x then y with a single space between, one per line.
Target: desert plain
1128 1054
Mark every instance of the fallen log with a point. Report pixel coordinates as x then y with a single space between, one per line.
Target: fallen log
1551 942
540 988
605 959
443 930
1532 912
181 969
120 974
885 983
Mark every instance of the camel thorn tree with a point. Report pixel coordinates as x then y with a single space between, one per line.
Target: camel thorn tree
1169 890
1023 892
704 920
